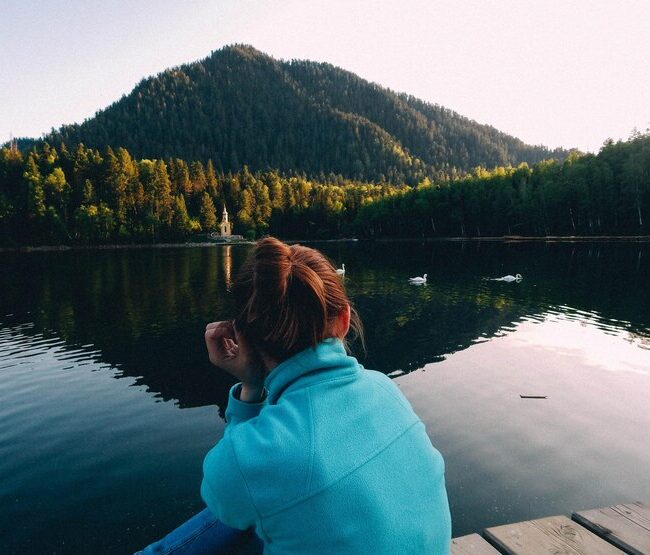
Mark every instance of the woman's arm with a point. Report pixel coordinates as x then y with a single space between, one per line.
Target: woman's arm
239 409
230 351
224 489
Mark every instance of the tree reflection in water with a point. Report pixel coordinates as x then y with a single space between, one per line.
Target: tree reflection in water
145 310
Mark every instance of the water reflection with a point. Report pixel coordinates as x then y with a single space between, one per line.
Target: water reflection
86 460
143 311
510 459
91 342
227 265
579 334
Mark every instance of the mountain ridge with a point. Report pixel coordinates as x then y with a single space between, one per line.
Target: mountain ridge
239 106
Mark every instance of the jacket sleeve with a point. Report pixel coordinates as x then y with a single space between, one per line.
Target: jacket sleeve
224 488
238 411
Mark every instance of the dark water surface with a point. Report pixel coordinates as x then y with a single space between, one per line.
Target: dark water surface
108 404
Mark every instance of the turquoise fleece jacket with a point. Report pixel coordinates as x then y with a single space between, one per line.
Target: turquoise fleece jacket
334 461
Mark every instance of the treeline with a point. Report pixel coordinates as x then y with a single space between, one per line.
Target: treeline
59 196
603 194
239 106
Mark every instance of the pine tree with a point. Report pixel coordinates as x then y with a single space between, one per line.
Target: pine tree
163 195
181 224
198 178
212 185
57 192
208 214
35 193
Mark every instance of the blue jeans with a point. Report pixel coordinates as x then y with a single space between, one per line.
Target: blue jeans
203 534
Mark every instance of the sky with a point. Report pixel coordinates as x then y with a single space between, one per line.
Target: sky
568 73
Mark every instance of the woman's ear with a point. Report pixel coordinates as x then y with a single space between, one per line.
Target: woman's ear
342 323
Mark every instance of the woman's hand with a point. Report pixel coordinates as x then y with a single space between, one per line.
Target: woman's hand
229 350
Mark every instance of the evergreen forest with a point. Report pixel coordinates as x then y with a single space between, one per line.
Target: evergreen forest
240 107
52 195
303 150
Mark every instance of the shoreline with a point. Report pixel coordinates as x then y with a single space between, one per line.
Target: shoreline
528 239
134 246
204 244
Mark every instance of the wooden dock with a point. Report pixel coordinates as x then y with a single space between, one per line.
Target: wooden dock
609 531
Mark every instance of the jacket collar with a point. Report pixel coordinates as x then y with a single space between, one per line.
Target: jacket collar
329 354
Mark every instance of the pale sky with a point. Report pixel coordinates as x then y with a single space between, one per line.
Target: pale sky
556 72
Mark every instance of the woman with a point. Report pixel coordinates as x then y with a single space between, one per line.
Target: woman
319 455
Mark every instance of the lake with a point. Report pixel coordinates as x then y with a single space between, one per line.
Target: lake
108 404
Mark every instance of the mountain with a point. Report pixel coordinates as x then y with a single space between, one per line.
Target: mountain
241 107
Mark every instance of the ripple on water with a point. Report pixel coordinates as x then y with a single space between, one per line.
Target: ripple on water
74 436
70 437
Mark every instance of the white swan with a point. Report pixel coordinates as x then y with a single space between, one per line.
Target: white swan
422 279
509 278
341 271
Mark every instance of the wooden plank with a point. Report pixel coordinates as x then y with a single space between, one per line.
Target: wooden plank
552 535
626 526
473 544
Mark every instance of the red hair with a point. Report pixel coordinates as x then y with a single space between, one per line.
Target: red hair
287 298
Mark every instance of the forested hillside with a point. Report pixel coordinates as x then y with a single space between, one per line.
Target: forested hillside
241 107
80 196
56 196
603 194
303 150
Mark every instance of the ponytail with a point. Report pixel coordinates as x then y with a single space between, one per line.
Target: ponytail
287 298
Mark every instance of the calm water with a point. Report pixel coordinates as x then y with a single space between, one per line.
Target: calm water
108 405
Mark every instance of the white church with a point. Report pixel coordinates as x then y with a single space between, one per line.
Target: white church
225 235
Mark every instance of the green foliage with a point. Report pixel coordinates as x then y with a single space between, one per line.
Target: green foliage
606 194
240 106
181 223
208 216
96 224
35 193
55 195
